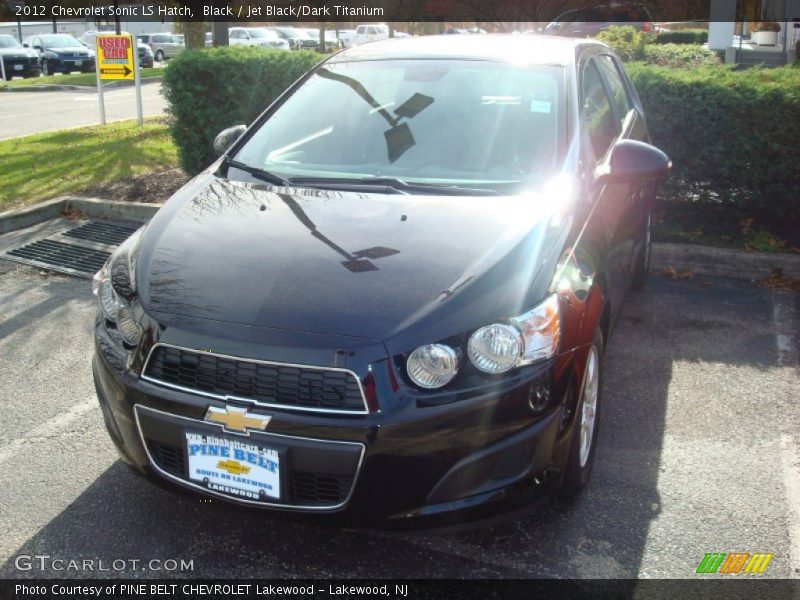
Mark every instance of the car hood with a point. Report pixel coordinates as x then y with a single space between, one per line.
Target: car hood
366 265
17 52
67 50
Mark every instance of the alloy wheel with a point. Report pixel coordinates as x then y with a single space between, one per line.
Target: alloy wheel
591 387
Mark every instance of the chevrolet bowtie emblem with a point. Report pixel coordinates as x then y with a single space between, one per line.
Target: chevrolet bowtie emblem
238 419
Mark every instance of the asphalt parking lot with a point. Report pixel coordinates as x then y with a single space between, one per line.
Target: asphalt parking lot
699 451
25 113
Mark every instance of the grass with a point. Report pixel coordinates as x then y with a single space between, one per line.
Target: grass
88 79
43 166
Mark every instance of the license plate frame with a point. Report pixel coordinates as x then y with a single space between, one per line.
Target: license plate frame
243 469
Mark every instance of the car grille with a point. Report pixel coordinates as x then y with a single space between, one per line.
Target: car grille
313 488
168 457
307 489
289 386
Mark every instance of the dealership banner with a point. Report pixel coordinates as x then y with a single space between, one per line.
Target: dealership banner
251 589
349 11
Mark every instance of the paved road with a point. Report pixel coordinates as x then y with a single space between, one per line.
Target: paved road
23 113
699 451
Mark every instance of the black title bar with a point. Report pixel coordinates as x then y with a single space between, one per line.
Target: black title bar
480 11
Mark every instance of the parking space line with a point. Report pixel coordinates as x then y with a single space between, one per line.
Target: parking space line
76 411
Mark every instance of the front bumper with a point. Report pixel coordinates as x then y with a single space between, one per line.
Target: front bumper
407 459
68 65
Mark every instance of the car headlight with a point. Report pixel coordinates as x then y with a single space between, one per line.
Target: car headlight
540 328
114 286
432 366
495 348
107 297
532 336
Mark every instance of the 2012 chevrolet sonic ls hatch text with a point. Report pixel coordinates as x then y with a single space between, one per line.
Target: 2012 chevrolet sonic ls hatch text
391 294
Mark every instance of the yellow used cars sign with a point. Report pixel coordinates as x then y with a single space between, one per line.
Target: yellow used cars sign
115 56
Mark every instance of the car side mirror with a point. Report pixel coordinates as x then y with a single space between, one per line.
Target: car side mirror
227 137
38 48
633 161
25 46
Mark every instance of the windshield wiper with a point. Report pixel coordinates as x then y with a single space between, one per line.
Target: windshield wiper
395 184
261 174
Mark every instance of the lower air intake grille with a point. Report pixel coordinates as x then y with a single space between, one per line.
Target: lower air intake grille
273 384
311 488
168 457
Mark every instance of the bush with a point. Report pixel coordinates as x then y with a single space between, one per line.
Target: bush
683 36
678 56
625 41
730 134
209 90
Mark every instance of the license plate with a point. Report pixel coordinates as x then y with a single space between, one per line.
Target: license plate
78 63
18 67
233 467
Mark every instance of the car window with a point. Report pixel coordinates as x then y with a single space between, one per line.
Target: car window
360 30
462 122
598 118
619 95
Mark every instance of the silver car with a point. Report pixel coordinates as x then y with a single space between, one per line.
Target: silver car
163 45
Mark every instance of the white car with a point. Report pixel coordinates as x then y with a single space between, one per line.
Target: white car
346 37
371 33
256 36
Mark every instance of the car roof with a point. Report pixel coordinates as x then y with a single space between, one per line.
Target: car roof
530 49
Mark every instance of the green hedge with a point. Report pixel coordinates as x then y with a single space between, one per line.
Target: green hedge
679 56
731 134
683 36
625 41
209 90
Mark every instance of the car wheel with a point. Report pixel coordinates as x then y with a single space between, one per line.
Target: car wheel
642 268
584 435
159 55
45 68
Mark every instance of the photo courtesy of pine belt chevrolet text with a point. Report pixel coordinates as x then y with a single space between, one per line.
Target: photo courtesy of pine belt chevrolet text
390 297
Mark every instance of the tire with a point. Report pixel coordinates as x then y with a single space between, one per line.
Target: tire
642 268
159 55
582 451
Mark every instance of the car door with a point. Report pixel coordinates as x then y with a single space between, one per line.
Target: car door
638 201
600 130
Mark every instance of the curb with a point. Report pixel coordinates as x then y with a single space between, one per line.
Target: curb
92 207
74 88
723 262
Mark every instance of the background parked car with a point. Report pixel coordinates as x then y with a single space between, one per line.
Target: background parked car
61 53
256 36
163 45
17 59
209 39
371 33
588 22
331 41
346 37
297 38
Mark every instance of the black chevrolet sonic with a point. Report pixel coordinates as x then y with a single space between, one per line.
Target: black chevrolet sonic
391 294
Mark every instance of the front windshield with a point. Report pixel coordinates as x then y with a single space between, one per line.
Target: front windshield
456 122
6 41
60 41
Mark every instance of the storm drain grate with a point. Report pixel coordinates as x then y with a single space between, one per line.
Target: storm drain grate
80 249
100 232
58 256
